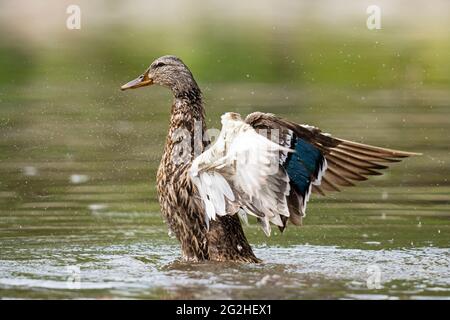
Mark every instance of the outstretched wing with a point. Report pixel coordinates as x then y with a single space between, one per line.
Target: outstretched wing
321 162
241 171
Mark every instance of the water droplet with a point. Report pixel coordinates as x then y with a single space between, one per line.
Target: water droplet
79 178
171 234
97 206
30 171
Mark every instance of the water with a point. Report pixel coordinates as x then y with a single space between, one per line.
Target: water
79 216
147 269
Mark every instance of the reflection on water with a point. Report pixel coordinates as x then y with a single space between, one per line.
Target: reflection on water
78 203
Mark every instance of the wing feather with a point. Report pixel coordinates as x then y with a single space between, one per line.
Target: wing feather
242 168
347 162
246 171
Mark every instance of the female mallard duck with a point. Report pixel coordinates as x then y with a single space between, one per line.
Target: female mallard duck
264 166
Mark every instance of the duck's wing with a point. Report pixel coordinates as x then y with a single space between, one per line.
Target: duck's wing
240 171
321 162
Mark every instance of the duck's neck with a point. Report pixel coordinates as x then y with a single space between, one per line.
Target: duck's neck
186 137
178 206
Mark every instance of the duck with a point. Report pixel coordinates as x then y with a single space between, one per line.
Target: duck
261 165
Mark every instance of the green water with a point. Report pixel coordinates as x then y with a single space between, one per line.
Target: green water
77 197
78 211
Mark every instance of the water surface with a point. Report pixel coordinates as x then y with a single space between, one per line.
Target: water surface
79 216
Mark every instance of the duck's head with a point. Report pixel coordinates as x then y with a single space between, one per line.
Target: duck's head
167 71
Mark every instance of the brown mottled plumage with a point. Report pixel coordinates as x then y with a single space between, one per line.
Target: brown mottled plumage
181 204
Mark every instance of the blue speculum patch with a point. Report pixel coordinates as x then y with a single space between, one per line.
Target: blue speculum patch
303 164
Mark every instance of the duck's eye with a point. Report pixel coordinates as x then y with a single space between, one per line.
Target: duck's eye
159 64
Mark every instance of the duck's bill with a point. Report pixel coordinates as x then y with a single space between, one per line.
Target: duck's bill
141 81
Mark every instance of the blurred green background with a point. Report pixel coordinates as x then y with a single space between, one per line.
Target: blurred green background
78 157
325 43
